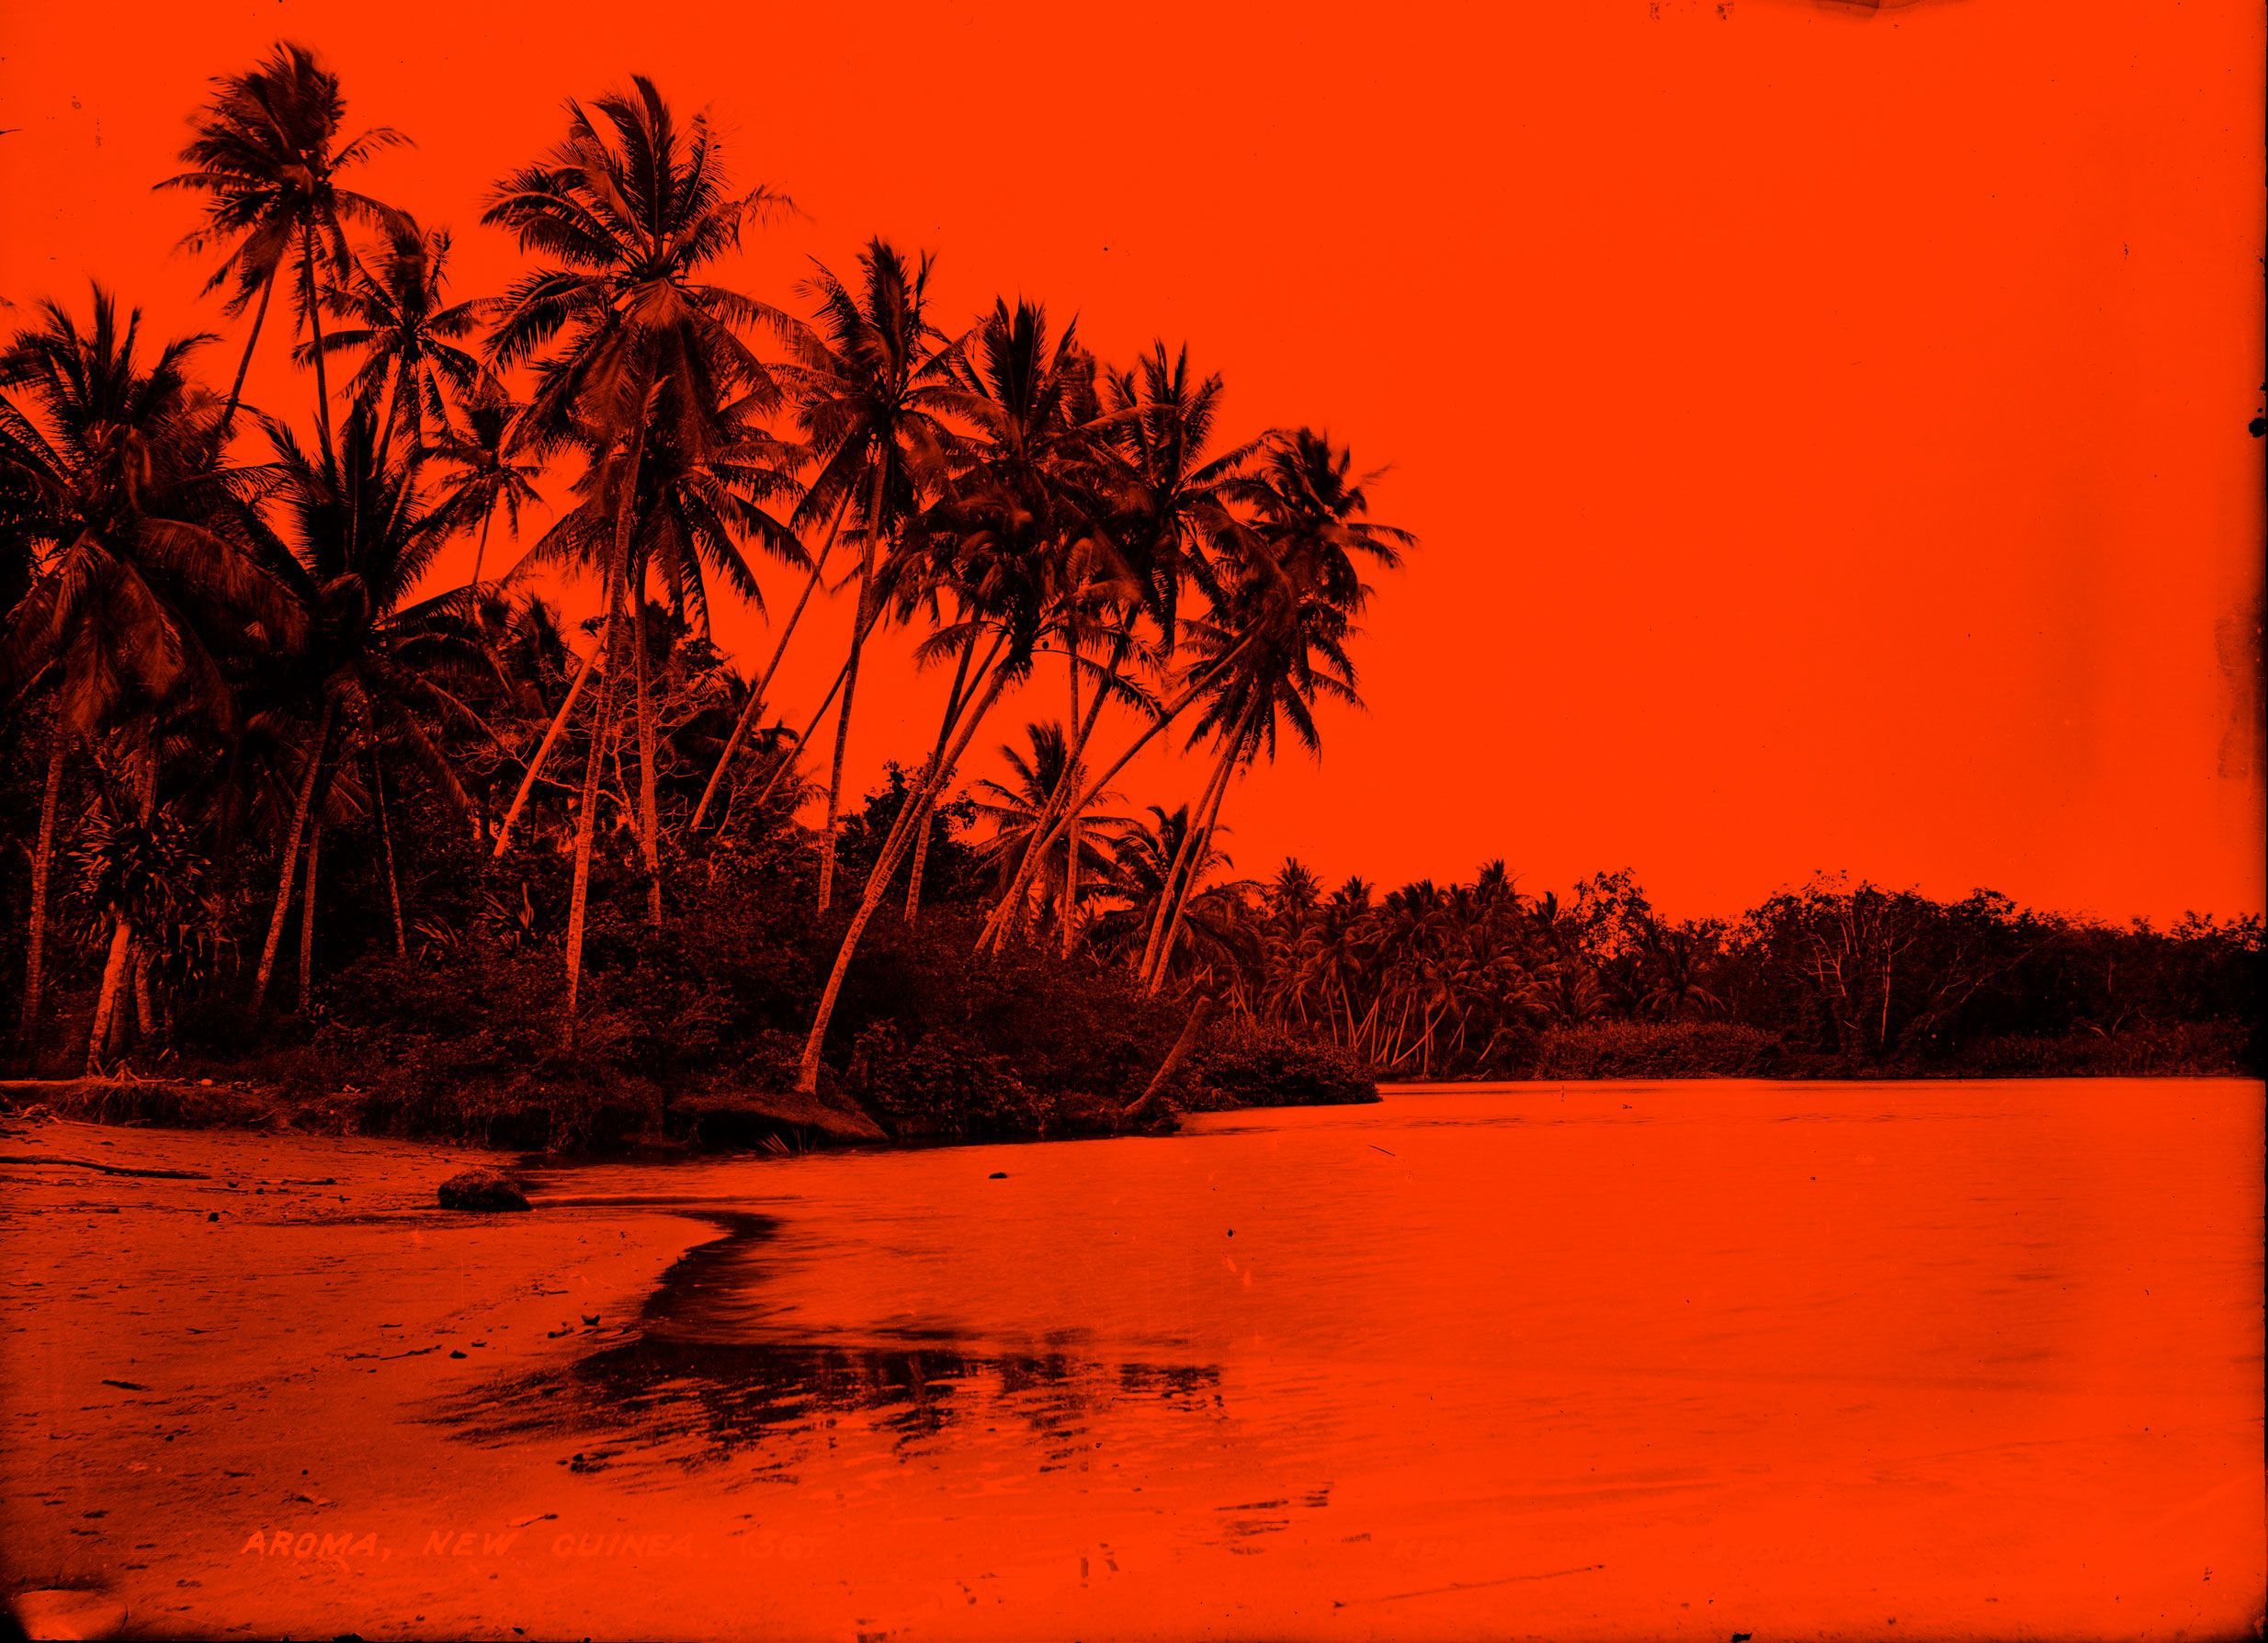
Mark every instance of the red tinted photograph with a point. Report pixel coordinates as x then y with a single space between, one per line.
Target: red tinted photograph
1259 821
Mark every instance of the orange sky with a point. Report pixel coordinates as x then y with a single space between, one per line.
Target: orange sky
1827 427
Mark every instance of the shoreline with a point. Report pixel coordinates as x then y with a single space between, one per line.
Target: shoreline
306 1319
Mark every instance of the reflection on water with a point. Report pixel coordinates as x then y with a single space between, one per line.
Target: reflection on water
1622 1359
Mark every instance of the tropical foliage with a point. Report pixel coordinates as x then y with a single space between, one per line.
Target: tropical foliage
235 687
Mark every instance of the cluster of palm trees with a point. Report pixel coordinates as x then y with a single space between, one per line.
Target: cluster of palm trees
227 634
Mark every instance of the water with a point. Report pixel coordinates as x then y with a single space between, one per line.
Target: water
1631 1360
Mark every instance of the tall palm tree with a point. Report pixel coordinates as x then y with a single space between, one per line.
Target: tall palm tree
412 339
630 210
266 154
696 513
1286 617
373 667
994 546
487 476
870 378
144 576
1172 521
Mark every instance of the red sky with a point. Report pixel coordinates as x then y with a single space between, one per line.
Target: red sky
1827 427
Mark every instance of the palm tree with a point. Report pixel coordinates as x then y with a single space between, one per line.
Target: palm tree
488 477
145 577
695 511
630 210
870 379
410 336
1144 864
994 546
1016 807
1172 521
266 154
373 667
1286 617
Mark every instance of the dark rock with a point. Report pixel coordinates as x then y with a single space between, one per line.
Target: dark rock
482 1189
997 1175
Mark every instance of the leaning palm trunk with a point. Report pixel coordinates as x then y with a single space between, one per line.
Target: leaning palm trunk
236 388
996 924
922 814
850 681
586 820
42 865
307 910
649 811
1184 866
314 320
806 1077
106 1003
290 860
754 704
145 998
586 823
1071 837
1154 1095
1196 857
550 739
385 839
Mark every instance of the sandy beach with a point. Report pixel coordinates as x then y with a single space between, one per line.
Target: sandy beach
224 1387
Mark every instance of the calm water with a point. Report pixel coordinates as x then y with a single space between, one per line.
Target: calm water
1692 1359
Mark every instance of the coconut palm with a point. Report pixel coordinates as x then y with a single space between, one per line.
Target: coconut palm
412 339
1285 616
629 212
487 477
143 575
989 555
697 513
266 154
373 670
1020 804
870 378
1143 865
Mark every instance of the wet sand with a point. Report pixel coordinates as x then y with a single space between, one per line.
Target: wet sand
1630 1361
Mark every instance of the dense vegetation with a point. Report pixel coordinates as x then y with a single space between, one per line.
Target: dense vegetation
546 882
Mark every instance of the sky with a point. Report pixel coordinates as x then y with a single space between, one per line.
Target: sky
1825 426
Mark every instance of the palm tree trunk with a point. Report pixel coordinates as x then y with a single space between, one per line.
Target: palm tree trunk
551 738
586 820
290 861
145 1005
307 904
996 923
1185 859
236 388
1196 858
1186 1042
42 867
1070 836
648 809
807 1076
314 320
586 823
106 1001
921 821
385 839
479 549
754 704
850 679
